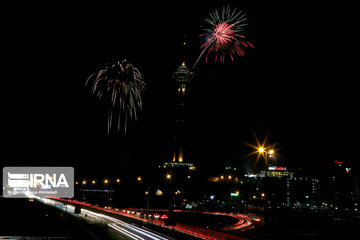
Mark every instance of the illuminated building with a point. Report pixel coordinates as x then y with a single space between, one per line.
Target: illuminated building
183 77
276 183
272 171
278 171
179 164
342 187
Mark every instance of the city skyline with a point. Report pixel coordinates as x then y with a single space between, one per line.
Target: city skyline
225 120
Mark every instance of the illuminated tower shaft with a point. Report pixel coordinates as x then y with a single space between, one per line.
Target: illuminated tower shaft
182 77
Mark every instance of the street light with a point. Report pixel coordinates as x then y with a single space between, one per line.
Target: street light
261 149
168 176
266 154
106 181
139 179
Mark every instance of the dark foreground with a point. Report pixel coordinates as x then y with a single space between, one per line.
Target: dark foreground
306 226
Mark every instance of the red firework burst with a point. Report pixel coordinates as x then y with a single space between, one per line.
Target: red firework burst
224 35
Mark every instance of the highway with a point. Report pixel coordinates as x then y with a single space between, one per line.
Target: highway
202 233
120 229
129 231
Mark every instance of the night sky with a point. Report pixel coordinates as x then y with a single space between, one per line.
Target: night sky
298 85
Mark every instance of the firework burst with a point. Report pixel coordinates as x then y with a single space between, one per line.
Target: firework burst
120 83
223 37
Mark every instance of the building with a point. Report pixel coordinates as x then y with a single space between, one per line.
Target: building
183 77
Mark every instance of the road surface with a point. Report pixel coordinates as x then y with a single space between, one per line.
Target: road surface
120 229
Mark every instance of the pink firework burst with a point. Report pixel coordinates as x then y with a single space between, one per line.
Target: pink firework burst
224 35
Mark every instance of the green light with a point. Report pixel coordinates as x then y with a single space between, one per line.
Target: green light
233 194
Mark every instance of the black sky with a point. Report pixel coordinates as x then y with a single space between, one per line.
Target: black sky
298 84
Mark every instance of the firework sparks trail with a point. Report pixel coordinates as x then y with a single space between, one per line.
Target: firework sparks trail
224 35
122 85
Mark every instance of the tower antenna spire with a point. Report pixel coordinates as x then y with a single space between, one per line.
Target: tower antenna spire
184 51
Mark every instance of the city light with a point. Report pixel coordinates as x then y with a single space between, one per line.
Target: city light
84 182
139 179
159 193
106 181
262 150
118 180
93 181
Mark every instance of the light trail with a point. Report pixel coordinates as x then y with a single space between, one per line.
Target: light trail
127 229
243 223
147 233
126 225
127 233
